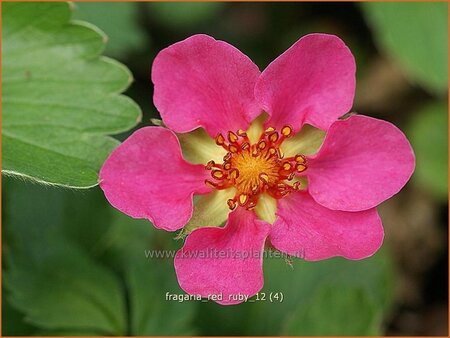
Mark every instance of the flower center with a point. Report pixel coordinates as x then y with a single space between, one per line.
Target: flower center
254 169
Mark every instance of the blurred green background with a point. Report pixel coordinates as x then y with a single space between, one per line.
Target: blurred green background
73 265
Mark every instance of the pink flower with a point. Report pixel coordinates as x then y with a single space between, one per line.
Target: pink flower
281 181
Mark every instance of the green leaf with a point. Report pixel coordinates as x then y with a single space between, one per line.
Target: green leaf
60 98
152 313
118 20
428 132
148 279
49 277
120 243
416 35
72 260
300 286
345 310
13 321
68 291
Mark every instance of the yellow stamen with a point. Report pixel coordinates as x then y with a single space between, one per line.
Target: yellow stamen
220 140
232 137
301 168
217 174
286 131
255 169
243 199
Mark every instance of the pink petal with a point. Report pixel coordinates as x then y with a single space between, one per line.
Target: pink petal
362 162
312 82
146 177
201 270
204 82
308 230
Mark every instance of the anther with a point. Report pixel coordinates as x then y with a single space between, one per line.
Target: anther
217 174
231 204
269 130
287 166
227 157
245 145
232 137
241 133
209 165
273 137
296 185
233 148
264 178
262 145
220 140
301 159
233 174
301 167
286 131
243 199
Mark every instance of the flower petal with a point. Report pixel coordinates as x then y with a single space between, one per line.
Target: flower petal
210 210
199 148
306 142
308 230
146 177
204 82
224 261
266 208
312 82
362 162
